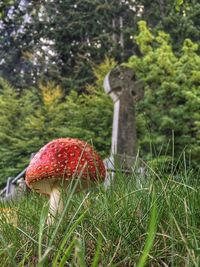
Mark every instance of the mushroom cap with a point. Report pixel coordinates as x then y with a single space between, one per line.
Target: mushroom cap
61 161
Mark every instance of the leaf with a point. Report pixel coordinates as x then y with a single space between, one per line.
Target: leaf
153 222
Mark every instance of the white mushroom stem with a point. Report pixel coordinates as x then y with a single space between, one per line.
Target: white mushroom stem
55 205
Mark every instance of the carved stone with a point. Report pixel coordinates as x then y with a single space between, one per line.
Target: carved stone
125 90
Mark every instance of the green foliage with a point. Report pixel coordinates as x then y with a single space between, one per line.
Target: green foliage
178 4
30 120
83 34
10 130
61 40
170 109
179 18
16 46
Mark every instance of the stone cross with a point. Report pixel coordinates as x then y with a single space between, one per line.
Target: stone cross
124 89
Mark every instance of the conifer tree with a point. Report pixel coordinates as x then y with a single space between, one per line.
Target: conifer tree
60 40
169 116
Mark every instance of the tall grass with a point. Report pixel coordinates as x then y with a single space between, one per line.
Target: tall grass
152 221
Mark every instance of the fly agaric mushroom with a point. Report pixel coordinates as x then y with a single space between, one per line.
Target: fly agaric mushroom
60 162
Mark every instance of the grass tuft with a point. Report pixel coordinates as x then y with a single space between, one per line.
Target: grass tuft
152 220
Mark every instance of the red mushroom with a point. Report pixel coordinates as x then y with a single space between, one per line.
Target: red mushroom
58 163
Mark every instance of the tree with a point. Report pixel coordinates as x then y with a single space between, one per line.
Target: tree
11 41
83 33
178 18
170 109
10 129
22 62
60 40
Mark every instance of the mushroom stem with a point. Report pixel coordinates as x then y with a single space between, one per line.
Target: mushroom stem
55 205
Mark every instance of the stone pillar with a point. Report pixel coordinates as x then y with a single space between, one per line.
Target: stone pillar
125 90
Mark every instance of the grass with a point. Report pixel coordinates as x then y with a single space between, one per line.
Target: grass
154 221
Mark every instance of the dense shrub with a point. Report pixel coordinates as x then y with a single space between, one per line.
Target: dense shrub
169 115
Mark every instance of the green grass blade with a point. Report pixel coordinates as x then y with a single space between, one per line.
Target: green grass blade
151 234
97 252
79 255
9 251
43 218
67 254
64 212
66 237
